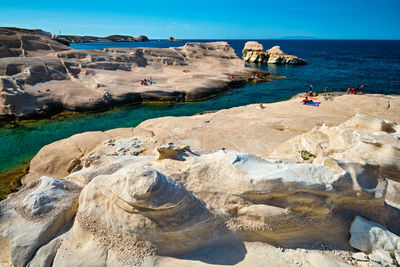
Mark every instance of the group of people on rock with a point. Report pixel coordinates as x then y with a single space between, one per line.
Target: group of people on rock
311 93
146 82
306 99
354 90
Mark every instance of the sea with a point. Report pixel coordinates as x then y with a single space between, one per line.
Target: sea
336 64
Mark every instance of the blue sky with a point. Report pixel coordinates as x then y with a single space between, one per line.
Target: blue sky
207 19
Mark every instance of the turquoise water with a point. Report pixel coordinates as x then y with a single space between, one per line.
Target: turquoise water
21 143
334 63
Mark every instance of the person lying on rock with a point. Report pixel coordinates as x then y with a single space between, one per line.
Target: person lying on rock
306 100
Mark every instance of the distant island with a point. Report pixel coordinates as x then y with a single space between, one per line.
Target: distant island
299 38
111 38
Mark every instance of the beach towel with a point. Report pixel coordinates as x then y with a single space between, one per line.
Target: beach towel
315 104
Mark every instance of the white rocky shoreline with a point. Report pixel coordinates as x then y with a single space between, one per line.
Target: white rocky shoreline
40 77
193 191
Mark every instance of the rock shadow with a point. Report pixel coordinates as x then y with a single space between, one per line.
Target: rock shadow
229 252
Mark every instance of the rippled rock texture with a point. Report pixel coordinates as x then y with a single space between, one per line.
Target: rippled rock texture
144 202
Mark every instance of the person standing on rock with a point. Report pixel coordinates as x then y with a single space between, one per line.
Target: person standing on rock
310 91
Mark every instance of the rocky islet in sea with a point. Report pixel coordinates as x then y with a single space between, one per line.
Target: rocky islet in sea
253 52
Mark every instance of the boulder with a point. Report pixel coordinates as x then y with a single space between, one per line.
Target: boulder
382 257
171 39
368 236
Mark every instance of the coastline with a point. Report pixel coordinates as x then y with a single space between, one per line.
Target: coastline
202 153
11 174
229 128
144 99
42 83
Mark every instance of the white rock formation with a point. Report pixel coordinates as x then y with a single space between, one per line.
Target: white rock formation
136 207
253 52
35 215
368 236
381 257
43 77
362 139
45 196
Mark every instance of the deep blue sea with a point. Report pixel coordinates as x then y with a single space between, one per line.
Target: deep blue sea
337 64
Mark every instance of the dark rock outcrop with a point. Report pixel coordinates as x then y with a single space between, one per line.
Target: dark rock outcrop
142 38
111 38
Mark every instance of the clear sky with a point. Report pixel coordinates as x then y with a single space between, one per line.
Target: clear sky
209 19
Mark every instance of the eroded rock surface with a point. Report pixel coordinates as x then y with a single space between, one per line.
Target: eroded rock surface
35 216
360 139
381 245
144 203
253 52
244 129
48 78
16 42
149 199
